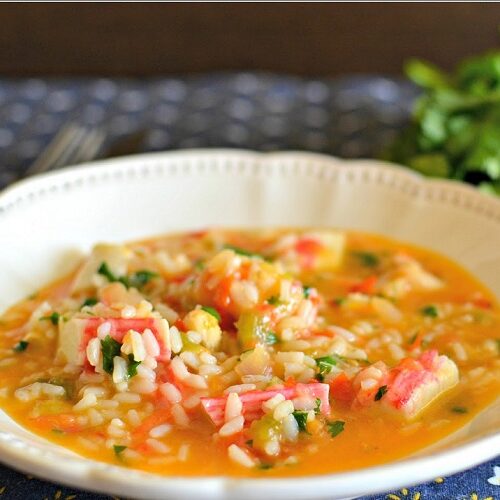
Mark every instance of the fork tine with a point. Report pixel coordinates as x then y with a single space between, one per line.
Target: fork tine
54 150
89 147
71 150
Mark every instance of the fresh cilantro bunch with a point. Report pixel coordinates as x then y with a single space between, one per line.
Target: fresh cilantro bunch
455 129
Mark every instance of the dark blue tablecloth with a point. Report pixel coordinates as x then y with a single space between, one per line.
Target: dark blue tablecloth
348 117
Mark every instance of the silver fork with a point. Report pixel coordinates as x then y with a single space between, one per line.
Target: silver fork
73 144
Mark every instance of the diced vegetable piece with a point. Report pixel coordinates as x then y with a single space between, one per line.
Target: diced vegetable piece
206 323
321 250
263 431
252 330
252 400
75 334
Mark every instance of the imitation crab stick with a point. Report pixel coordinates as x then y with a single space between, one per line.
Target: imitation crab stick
75 334
252 400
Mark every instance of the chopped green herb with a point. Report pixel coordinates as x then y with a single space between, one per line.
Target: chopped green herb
105 271
110 348
429 311
339 301
199 265
317 408
57 431
301 419
249 442
242 251
271 338
263 466
325 365
459 409
412 339
53 318
274 300
367 259
141 278
380 393
89 302
33 296
212 311
119 449
498 345
307 291
132 366
335 428
21 346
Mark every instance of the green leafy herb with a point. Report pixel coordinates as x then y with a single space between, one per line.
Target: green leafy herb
105 271
367 259
380 393
21 346
459 409
325 365
58 431
249 442
110 348
265 466
53 318
429 311
317 408
307 291
119 449
301 419
242 251
339 301
271 338
141 278
412 339
199 265
212 311
132 366
335 428
455 128
274 300
89 302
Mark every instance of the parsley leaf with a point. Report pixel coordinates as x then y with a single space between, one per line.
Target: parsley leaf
335 428
429 311
21 346
212 311
141 278
105 271
264 466
307 291
459 409
53 318
380 393
317 409
271 338
242 251
119 449
325 365
132 366
110 348
273 300
367 259
301 419
90 301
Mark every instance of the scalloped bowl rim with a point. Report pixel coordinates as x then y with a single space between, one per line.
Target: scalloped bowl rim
68 468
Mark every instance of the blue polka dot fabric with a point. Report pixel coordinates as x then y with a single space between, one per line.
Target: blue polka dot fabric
348 117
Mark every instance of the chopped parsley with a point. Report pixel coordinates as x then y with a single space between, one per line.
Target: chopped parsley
89 302
53 318
429 311
21 346
58 431
339 301
273 300
141 278
367 259
380 393
325 365
242 251
412 339
271 338
301 419
132 366
264 466
307 291
212 311
110 348
105 271
199 265
459 409
317 408
249 442
119 449
335 428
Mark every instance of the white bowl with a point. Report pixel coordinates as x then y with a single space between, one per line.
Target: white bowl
47 221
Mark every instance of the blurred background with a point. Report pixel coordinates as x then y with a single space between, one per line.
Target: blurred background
323 77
